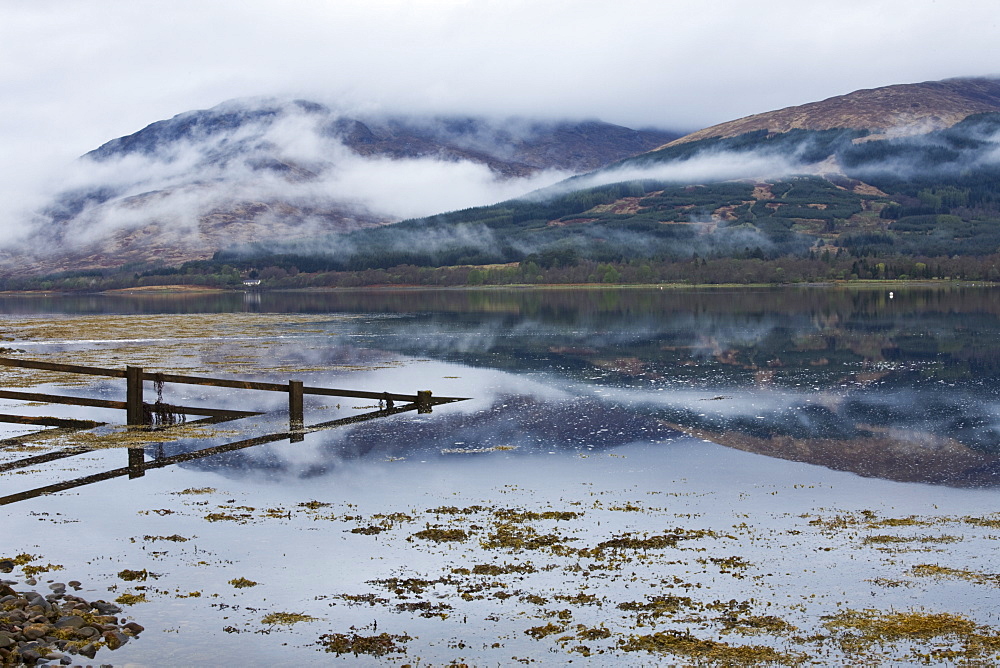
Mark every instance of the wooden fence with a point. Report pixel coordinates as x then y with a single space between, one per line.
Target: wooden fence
138 412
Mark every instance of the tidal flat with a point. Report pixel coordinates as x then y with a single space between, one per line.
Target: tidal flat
725 478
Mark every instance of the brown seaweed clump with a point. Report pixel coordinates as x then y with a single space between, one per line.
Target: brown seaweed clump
353 643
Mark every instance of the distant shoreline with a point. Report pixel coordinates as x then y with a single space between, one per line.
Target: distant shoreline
201 290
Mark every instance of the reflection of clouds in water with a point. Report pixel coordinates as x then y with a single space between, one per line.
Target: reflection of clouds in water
705 334
573 379
962 416
512 424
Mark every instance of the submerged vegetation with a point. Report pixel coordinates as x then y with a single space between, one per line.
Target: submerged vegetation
570 597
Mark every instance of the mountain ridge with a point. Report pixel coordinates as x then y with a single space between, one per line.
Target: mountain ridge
247 171
821 187
914 108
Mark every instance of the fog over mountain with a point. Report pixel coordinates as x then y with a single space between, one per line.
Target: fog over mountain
848 172
267 169
262 180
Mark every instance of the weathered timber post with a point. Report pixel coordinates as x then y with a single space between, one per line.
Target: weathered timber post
136 463
133 395
296 414
424 402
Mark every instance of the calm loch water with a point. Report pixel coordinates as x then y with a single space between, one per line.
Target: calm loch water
634 472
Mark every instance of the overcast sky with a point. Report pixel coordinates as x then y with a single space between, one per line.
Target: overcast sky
76 73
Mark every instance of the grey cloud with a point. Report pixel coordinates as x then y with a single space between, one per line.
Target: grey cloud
72 76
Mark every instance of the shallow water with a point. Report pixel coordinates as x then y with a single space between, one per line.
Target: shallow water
796 452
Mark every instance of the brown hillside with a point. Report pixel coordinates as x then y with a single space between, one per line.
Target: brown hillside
903 108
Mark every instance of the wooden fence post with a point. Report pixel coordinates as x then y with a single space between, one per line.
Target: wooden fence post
133 395
136 462
296 414
424 404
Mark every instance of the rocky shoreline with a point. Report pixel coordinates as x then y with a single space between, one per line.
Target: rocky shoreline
48 629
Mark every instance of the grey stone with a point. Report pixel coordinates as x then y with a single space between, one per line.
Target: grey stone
136 629
16 615
87 632
106 608
70 622
35 631
114 639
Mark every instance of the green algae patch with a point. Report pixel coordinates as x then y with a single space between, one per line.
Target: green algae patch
455 510
539 632
176 538
658 606
591 633
401 586
134 576
870 626
883 539
31 570
439 535
939 636
243 583
24 558
992 522
504 569
656 542
516 515
313 505
240 518
707 652
362 599
353 643
369 530
286 618
756 624
945 572
425 608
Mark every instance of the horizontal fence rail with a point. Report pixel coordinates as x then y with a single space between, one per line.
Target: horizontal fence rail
145 415
219 382
137 466
49 421
65 368
120 405
139 413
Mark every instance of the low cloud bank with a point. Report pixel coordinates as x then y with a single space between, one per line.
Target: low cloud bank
291 157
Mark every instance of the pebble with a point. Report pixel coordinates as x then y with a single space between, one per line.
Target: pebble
46 630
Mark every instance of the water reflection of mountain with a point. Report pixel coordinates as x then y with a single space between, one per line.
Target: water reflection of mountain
926 363
902 385
515 424
890 454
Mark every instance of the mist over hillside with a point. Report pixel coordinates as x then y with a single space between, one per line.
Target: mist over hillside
903 171
266 169
889 190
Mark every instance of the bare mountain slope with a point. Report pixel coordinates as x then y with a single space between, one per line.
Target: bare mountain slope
901 109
